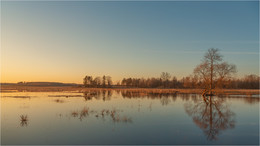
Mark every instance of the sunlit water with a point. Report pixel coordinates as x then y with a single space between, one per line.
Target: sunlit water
127 118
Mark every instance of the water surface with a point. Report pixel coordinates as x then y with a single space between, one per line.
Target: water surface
110 117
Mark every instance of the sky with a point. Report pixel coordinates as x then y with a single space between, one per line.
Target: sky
64 41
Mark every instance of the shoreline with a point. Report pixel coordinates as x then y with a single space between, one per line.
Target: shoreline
12 88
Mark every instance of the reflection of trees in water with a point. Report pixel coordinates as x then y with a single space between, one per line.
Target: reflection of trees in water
248 99
165 98
89 95
211 115
100 94
185 97
137 94
106 95
251 100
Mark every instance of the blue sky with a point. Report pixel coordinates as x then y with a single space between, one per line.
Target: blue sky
64 41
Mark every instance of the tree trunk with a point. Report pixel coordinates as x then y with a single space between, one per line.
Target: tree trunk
211 76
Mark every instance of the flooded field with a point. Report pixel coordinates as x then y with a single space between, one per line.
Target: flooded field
127 117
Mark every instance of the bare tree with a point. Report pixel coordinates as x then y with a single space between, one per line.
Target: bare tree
165 76
87 81
212 58
174 82
251 81
203 73
109 81
97 82
225 71
213 69
104 81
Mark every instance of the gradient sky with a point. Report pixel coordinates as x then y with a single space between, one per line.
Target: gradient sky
64 41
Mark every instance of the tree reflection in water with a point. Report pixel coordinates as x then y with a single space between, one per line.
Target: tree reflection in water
165 98
89 95
106 95
211 115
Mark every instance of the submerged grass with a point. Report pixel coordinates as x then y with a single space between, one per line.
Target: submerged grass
23 120
59 100
75 113
104 113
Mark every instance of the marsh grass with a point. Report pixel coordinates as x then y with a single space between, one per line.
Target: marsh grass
65 96
24 118
83 113
126 119
75 113
143 90
114 114
122 119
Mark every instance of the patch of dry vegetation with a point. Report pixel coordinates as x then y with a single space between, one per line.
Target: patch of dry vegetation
142 90
18 96
23 120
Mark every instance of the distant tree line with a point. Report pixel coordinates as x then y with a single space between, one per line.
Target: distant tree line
192 81
248 82
97 82
166 80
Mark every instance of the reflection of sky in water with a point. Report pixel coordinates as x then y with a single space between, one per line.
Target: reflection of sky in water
140 119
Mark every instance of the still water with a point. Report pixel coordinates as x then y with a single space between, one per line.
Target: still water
123 117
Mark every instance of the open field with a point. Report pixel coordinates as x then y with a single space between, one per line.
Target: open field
12 88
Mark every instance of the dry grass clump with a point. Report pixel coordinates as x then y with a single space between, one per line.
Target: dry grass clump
112 114
116 117
23 120
84 111
123 119
126 119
